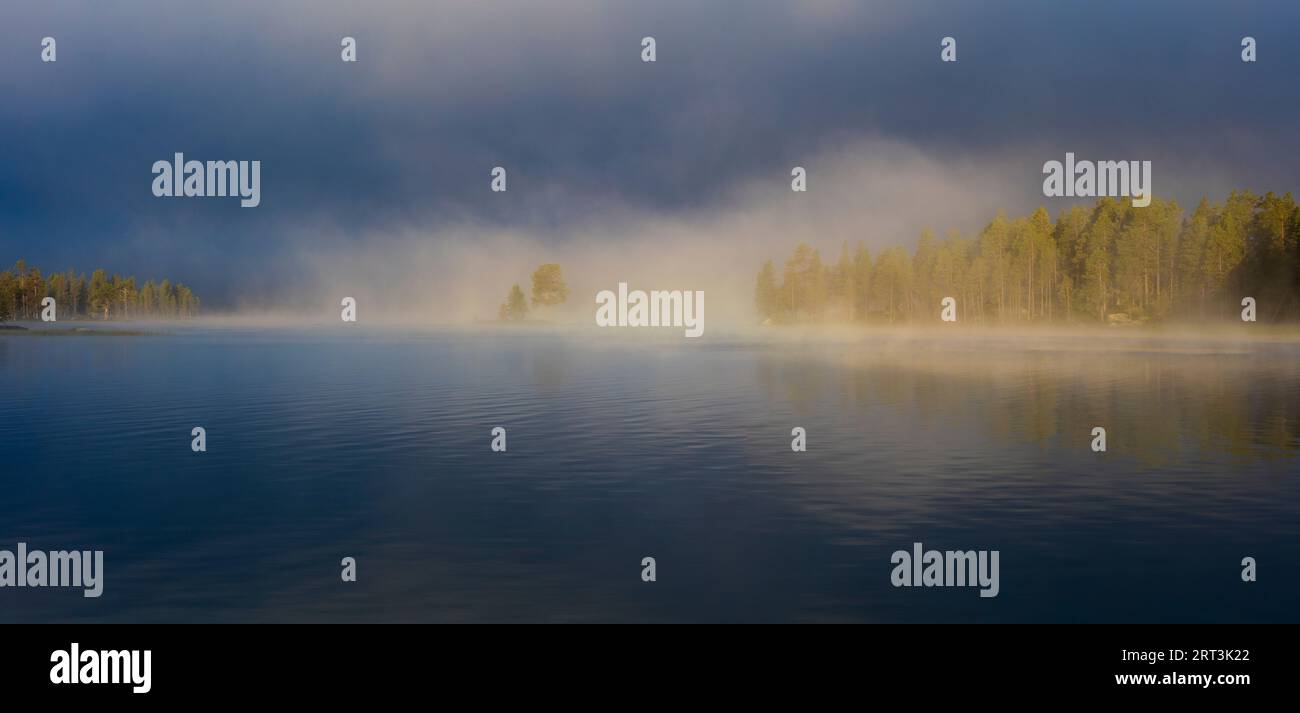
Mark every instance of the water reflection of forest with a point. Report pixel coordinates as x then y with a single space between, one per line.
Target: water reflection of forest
1156 405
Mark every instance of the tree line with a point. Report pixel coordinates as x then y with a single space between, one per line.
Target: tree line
23 287
1107 263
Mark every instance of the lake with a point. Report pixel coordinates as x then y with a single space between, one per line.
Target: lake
375 444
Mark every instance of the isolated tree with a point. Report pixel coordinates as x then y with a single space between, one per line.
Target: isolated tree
548 285
515 308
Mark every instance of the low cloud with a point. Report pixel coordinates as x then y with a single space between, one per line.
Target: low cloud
877 192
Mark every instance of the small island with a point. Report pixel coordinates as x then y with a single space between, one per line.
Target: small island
549 289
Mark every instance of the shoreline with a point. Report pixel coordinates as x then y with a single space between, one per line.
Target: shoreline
1225 333
20 330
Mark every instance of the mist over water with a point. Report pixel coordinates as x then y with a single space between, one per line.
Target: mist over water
344 440
874 191
931 264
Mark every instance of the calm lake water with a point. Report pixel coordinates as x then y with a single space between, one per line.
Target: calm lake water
374 444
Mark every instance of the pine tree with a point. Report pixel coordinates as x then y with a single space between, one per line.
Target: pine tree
515 308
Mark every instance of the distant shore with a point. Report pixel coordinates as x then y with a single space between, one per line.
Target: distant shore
1224 332
19 330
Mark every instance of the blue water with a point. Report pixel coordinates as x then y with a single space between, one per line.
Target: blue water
374 444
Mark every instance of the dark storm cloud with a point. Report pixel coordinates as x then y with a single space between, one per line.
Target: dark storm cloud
556 93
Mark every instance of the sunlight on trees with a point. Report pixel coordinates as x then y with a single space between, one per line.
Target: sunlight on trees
101 297
515 308
1110 263
548 286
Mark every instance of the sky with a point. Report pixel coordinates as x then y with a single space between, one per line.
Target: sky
376 174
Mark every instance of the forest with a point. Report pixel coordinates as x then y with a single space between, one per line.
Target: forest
101 297
1109 263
